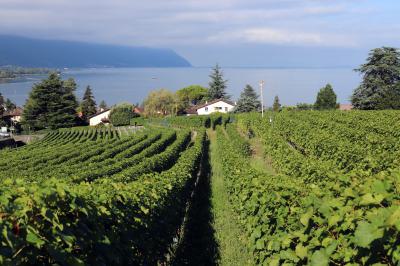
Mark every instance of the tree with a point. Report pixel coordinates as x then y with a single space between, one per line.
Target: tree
304 106
9 105
380 86
88 104
160 102
121 114
276 107
217 85
326 98
191 95
248 101
1 105
103 105
51 104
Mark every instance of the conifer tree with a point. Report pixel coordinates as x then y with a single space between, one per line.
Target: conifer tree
276 107
103 105
9 105
51 104
1 105
326 98
248 101
217 85
88 104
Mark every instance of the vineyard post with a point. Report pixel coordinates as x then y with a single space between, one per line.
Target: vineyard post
262 97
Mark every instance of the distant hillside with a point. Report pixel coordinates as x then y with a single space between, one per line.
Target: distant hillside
27 52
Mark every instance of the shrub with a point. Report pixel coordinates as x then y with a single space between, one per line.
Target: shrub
121 115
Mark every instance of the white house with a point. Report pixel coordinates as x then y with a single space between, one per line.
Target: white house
219 105
102 117
14 115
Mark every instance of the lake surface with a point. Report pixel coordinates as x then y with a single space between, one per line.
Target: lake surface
116 85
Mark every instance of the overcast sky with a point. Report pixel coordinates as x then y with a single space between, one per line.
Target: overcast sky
232 32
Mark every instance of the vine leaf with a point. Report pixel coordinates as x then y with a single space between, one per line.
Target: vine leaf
366 233
320 258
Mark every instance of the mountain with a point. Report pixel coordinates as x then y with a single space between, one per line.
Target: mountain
29 52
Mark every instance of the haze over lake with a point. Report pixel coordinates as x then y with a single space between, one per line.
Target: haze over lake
133 84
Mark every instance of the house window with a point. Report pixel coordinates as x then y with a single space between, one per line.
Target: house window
217 108
206 109
226 109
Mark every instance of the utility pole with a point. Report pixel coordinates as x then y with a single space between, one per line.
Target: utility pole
262 97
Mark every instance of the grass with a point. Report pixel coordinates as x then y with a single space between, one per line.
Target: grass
260 160
212 235
230 238
199 246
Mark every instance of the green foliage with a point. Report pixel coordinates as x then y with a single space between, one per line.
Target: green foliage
191 95
160 103
9 105
62 221
326 99
138 121
217 85
380 87
193 122
88 104
1 105
51 104
183 121
248 101
103 105
304 106
276 107
14 72
219 119
334 199
121 115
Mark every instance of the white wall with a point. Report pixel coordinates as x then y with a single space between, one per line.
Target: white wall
220 106
97 119
16 118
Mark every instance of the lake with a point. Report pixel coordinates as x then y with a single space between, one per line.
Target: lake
133 84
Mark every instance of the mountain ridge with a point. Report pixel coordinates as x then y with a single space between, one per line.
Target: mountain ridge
31 52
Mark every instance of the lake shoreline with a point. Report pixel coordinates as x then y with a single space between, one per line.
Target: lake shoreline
114 85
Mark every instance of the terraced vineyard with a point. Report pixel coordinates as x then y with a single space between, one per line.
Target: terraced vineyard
318 188
90 196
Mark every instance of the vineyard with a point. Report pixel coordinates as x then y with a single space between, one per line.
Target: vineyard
93 197
327 192
334 198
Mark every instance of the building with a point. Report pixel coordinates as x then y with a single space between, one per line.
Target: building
345 107
14 115
218 105
138 110
99 118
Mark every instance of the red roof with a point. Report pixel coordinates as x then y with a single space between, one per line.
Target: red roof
138 110
191 111
16 112
345 107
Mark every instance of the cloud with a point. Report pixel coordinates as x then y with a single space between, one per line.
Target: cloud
281 36
252 15
193 22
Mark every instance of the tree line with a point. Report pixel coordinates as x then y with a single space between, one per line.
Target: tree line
164 102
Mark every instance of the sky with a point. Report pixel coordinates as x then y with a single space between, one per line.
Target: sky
235 33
